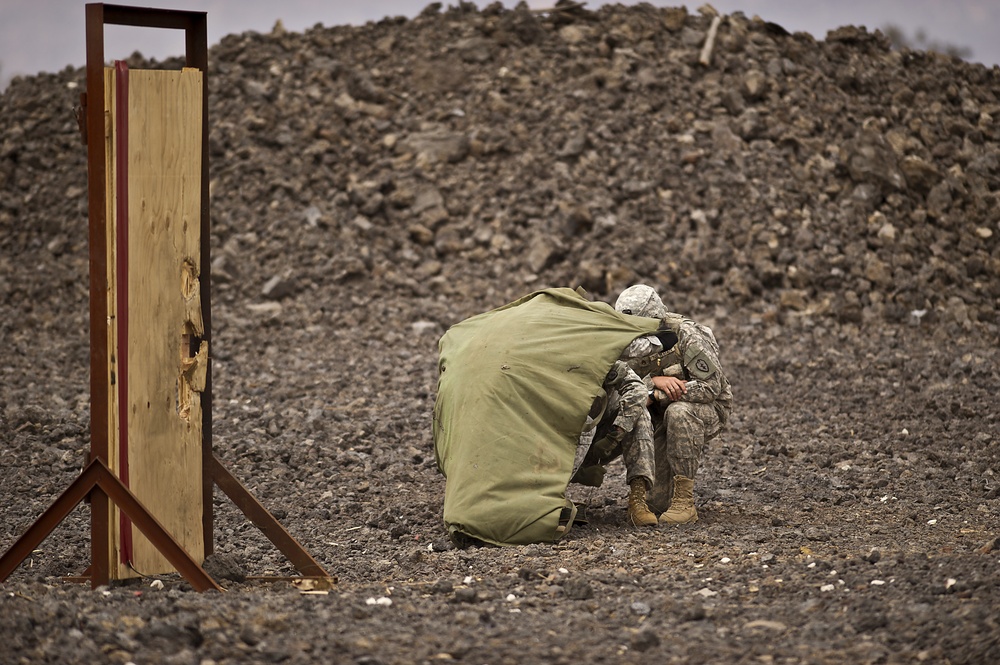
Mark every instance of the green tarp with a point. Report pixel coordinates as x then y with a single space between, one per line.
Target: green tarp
515 385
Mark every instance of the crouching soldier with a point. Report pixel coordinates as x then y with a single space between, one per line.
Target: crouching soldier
692 399
620 425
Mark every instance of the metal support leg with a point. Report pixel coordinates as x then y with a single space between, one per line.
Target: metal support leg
98 478
259 515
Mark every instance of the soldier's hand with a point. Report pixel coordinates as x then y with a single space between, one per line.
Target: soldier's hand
604 450
671 386
592 476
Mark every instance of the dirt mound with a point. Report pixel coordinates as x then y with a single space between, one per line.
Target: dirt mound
829 207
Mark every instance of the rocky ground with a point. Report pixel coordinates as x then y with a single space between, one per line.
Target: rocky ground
828 206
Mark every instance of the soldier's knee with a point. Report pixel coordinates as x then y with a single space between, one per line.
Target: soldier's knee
680 412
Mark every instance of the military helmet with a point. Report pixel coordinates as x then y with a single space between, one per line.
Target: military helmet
641 300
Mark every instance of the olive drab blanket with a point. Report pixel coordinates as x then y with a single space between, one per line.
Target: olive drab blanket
515 385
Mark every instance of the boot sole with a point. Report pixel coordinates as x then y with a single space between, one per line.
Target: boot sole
639 526
668 522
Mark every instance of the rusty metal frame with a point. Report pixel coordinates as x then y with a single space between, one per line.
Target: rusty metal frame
98 478
263 520
97 481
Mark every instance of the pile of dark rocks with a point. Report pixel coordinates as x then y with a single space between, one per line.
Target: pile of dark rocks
467 156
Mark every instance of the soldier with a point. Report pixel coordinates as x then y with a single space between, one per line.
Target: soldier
692 399
620 424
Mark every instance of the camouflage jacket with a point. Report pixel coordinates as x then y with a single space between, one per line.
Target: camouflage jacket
623 399
689 351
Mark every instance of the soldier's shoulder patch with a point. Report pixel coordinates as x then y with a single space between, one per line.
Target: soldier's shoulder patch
612 374
699 367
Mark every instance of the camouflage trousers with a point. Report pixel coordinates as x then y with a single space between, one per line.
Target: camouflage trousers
638 452
679 438
636 448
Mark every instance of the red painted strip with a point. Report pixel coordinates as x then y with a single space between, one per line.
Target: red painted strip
121 235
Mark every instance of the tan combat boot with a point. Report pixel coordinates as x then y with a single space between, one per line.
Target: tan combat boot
682 510
638 511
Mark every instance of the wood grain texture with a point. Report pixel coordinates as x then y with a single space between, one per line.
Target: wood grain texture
165 374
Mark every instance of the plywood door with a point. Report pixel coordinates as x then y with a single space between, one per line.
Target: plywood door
156 423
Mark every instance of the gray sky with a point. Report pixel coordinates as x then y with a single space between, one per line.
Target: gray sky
47 35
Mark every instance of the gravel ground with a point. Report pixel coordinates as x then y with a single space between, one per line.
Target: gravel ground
828 207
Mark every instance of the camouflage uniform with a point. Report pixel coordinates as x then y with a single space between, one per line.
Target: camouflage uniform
682 427
619 425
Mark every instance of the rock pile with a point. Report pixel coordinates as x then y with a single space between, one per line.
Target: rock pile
469 156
